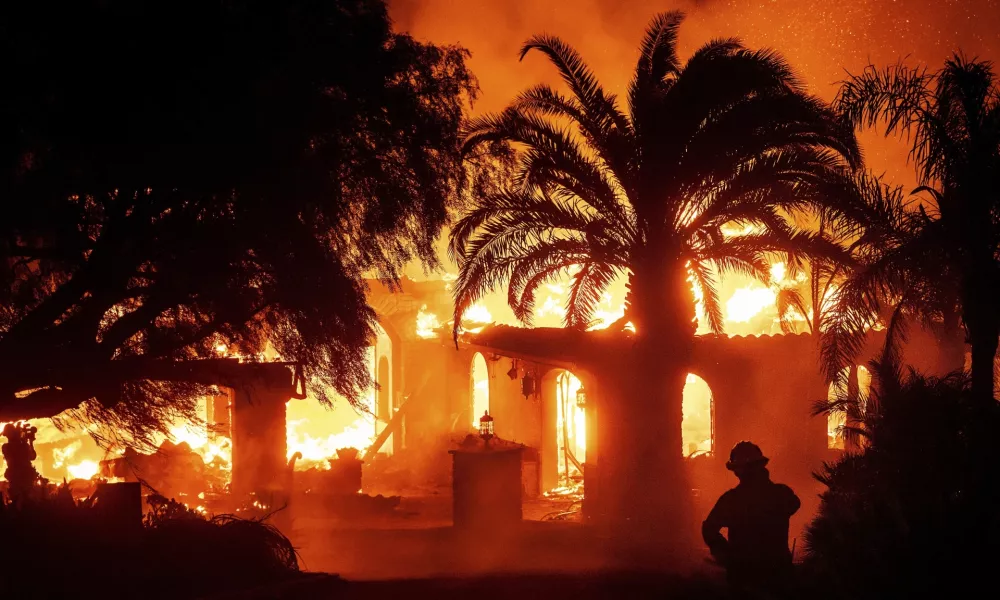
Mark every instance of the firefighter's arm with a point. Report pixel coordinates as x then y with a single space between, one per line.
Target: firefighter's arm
792 502
711 531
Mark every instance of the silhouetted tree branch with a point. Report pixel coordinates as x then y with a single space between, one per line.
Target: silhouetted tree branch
231 175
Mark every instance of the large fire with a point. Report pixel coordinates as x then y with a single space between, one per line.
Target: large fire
72 454
317 433
427 323
748 302
317 450
429 326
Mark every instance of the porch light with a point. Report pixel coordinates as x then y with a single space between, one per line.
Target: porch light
581 398
486 427
512 373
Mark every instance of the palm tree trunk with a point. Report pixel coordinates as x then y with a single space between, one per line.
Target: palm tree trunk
854 413
984 350
951 344
654 504
982 322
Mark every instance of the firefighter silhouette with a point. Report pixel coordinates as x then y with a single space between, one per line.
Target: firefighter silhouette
756 513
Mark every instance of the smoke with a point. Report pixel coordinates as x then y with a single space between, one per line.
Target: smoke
823 40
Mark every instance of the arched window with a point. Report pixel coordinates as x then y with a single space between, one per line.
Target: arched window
852 385
571 428
383 407
480 388
698 424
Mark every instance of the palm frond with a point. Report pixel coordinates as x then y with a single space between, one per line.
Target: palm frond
705 279
788 300
657 58
598 105
585 292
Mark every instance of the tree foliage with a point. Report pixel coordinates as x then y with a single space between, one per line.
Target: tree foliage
179 175
942 256
729 137
914 512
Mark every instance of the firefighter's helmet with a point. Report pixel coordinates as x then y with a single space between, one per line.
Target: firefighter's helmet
745 454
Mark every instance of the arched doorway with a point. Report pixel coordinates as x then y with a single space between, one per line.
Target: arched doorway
852 383
383 407
480 397
698 421
571 429
381 356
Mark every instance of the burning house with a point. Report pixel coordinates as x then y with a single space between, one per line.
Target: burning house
264 437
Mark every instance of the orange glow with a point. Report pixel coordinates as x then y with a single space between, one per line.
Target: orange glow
211 448
70 454
318 432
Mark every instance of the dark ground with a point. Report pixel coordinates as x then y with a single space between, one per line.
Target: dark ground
517 586
415 553
417 541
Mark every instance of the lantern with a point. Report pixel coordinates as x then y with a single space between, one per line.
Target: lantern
527 385
512 373
581 398
486 427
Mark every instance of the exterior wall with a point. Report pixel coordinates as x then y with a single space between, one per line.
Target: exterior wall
517 418
437 391
765 389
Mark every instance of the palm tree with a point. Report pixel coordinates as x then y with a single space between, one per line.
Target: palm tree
604 192
872 218
861 217
952 119
878 291
897 516
806 309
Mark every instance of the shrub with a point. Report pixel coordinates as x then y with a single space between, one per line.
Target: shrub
55 547
914 512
